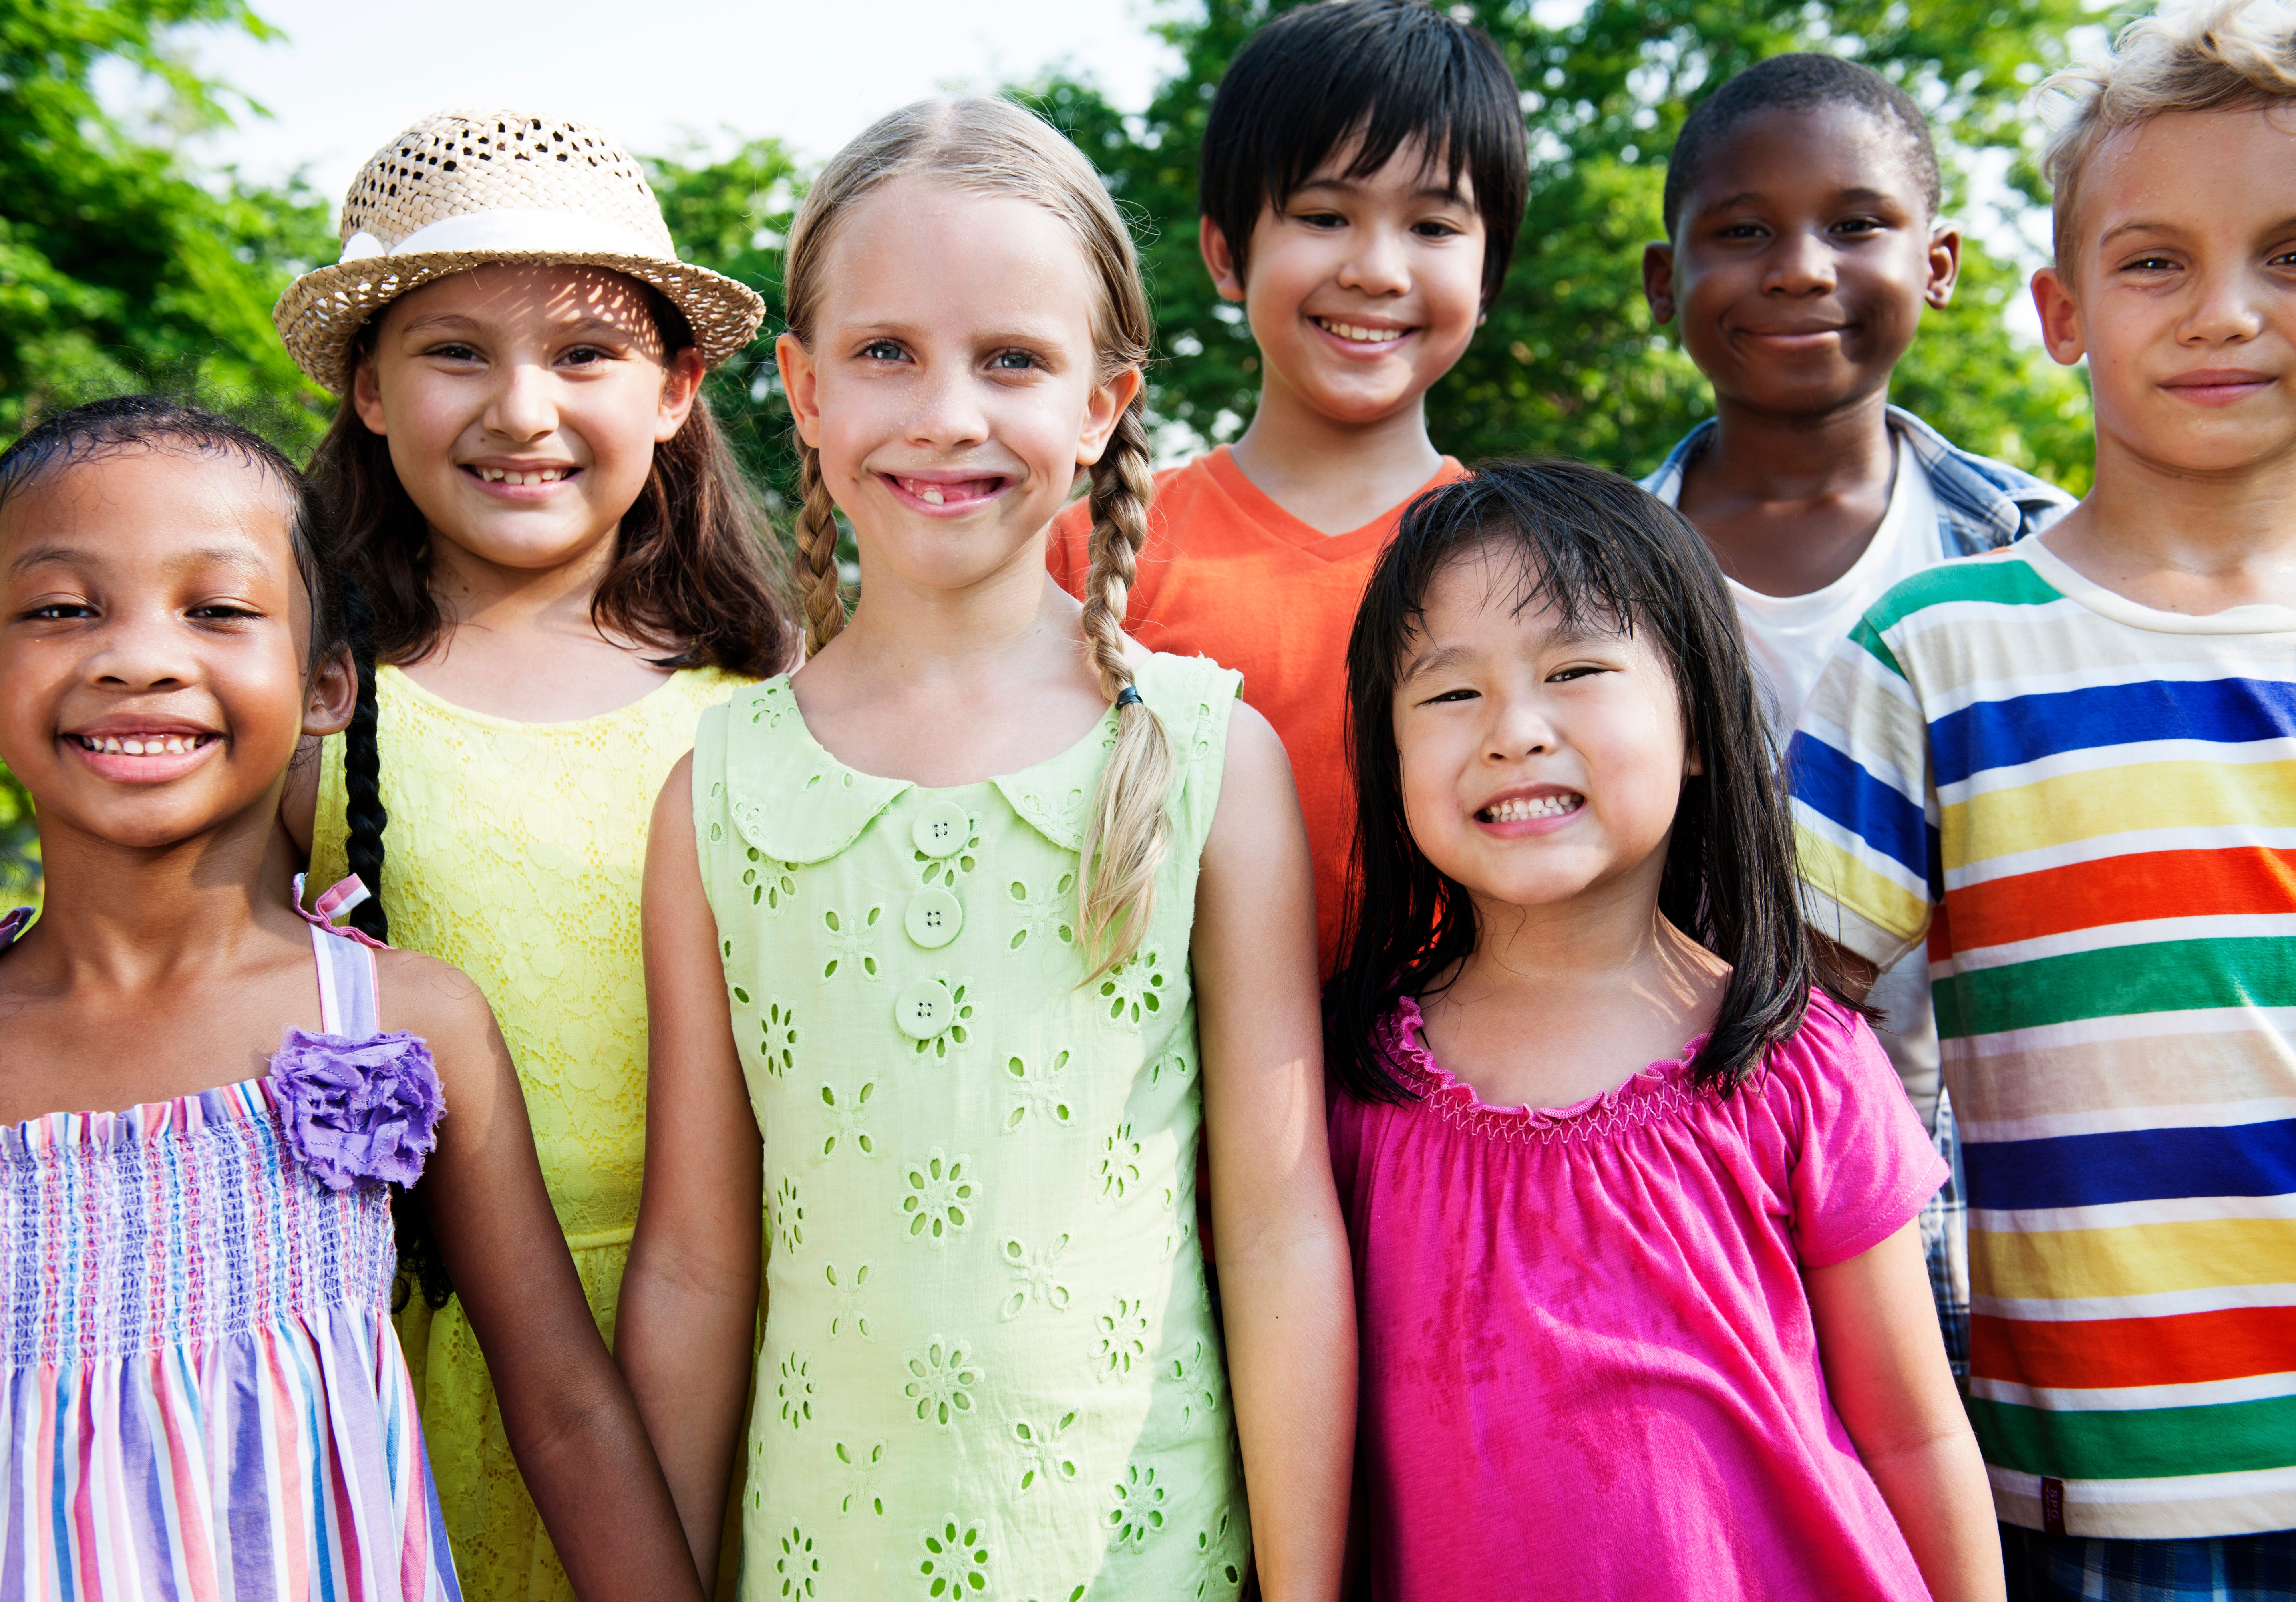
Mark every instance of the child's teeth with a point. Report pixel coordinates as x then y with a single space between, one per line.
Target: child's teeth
175 744
133 746
932 497
1519 809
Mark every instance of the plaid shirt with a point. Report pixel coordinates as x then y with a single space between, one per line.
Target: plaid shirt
1981 505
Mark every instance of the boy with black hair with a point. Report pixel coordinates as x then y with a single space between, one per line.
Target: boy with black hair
1363 179
1801 209
2069 769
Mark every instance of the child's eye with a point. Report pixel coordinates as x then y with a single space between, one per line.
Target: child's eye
586 356
227 612
880 351
1857 225
452 351
2149 264
1320 219
1583 670
1452 695
1741 231
56 612
1013 361
1437 228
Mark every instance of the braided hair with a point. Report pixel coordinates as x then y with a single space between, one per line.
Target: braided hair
994 147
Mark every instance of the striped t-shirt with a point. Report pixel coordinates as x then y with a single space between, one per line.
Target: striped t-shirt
2089 810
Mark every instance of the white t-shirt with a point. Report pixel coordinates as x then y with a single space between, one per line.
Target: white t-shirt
1790 638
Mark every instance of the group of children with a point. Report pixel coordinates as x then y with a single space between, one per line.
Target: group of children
1307 1022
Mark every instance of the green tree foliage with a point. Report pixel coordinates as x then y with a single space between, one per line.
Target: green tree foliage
730 215
1570 362
119 269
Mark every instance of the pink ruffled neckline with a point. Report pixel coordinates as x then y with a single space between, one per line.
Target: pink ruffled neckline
1405 1048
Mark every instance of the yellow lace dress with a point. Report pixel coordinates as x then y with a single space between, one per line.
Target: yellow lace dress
515 851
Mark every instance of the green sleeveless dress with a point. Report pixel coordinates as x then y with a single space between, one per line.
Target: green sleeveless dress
991 1369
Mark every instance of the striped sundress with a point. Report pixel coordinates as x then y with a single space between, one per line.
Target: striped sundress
201 1393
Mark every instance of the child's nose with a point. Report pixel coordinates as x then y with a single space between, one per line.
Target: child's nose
1802 263
2225 312
143 652
522 407
947 411
1377 265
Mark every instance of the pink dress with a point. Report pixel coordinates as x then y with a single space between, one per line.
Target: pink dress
1589 1368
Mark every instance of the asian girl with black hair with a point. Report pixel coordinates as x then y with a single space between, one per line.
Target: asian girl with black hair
1631 1189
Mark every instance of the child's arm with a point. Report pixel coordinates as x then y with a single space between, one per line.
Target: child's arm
1886 1371
579 1443
1285 1279
689 1302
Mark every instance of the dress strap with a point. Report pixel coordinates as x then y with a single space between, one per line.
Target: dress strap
347 986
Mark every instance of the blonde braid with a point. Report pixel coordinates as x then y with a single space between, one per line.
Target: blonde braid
1127 832
817 549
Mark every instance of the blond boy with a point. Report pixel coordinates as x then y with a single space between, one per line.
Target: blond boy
2069 768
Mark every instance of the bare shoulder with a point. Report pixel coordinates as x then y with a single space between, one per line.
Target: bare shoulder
435 1000
1256 756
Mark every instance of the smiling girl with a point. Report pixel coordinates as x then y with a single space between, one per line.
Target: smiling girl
564 569
201 1393
959 940
1632 1192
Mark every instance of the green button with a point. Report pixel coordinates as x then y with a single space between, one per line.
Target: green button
933 918
924 1010
941 829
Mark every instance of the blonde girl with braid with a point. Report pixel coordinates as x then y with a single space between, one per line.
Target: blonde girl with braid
959 940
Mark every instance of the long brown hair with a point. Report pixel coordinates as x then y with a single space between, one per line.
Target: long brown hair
994 147
690 574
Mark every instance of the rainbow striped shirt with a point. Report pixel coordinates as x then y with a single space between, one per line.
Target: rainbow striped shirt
2089 810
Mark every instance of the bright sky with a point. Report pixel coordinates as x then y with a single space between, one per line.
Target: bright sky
651 74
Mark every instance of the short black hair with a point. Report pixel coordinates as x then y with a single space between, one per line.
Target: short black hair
1387 72
1604 555
1799 82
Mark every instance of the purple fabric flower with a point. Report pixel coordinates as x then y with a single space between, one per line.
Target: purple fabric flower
358 1109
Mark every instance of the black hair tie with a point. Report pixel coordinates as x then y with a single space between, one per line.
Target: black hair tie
1128 696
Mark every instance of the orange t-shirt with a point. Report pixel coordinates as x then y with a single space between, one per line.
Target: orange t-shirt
1229 574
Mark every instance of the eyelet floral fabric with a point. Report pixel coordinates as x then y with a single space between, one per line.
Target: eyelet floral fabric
988 1369
516 852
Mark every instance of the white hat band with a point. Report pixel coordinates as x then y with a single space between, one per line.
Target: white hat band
511 229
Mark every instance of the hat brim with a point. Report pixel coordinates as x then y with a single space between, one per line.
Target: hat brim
323 311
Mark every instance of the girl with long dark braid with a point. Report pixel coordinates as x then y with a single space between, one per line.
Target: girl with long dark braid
559 568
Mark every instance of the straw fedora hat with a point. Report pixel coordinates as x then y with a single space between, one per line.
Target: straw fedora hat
463 189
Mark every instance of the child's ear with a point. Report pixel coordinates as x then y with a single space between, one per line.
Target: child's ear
1102 410
366 395
2060 329
333 692
1945 267
796 362
1220 259
679 385
1657 281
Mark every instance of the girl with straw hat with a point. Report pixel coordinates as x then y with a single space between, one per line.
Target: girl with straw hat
563 567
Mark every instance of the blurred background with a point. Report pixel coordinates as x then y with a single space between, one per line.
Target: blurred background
167 166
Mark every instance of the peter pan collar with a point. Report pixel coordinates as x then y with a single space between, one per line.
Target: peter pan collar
796 803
